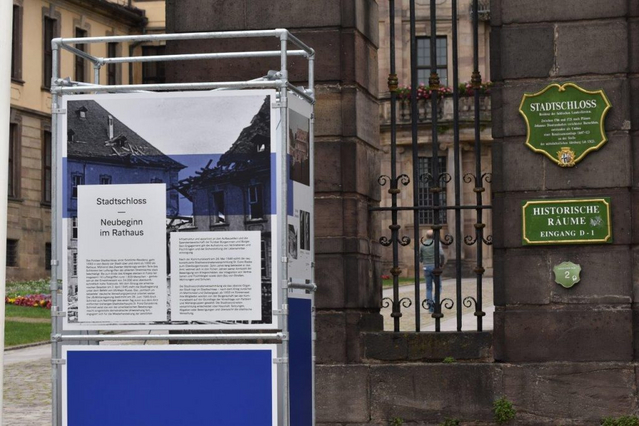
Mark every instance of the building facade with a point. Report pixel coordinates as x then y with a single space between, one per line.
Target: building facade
35 23
445 122
234 193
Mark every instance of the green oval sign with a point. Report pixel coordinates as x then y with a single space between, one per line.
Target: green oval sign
565 122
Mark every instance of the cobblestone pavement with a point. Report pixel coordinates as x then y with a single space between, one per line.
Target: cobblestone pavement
27 387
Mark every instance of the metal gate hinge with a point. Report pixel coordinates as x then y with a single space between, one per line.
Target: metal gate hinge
58 361
280 104
285 259
282 311
58 111
280 360
58 314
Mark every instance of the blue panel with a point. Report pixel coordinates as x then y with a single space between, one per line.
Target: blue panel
172 388
301 361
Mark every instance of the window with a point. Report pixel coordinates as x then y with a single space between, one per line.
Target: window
50 32
425 197
76 180
153 72
105 180
256 202
14 161
16 44
12 252
80 70
46 167
423 60
47 256
112 68
82 113
217 208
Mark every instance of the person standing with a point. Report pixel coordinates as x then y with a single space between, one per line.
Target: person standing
427 258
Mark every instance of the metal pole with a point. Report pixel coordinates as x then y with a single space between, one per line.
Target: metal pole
55 261
6 14
311 87
458 231
200 56
479 188
415 148
274 84
394 190
121 337
283 224
436 179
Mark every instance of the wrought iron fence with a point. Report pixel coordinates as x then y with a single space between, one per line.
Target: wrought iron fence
431 110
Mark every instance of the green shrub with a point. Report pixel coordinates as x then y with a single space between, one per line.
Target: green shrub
450 422
396 421
621 421
503 411
448 360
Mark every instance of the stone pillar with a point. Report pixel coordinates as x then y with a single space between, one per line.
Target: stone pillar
345 37
594 44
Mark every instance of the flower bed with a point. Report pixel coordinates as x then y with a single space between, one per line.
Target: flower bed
31 300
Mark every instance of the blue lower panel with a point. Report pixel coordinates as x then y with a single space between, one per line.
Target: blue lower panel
301 361
170 388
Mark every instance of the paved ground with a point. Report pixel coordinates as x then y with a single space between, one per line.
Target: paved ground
27 387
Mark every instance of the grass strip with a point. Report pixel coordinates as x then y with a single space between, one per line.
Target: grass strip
26 312
22 333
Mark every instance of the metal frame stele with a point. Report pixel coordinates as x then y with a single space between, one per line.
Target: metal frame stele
565 152
277 80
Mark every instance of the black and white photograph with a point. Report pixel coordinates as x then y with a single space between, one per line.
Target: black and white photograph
305 230
292 241
212 152
299 147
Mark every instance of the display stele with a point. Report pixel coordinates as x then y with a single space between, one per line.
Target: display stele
565 122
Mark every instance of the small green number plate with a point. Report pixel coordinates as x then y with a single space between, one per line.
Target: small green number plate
567 274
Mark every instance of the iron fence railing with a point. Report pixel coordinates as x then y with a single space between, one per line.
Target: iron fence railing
433 110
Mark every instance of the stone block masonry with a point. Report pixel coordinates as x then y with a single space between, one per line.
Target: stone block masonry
562 356
563 349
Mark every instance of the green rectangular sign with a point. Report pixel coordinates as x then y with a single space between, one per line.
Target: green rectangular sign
571 221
